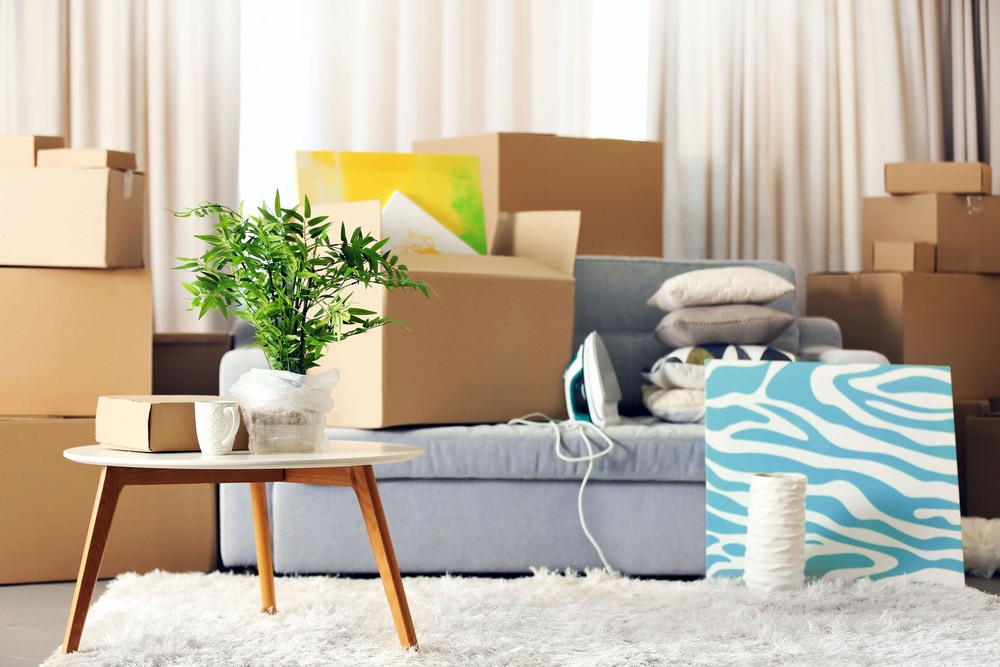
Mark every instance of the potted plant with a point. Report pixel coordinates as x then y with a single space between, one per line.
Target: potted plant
285 273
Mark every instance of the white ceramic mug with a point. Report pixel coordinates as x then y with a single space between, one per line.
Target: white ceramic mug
216 423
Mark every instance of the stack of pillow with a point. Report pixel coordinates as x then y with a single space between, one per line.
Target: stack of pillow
711 314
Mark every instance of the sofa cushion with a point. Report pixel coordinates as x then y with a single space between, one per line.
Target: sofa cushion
724 284
647 450
739 324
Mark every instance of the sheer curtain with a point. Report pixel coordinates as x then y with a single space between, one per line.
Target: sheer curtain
778 116
157 77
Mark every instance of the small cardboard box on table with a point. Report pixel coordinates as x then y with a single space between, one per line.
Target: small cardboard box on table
947 319
616 185
46 503
72 335
89 211
965 229
490 344
153 423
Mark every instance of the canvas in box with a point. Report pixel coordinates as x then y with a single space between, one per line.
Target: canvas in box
79 217
163 423
905 178
46 502
73 335
616 185
489 345
966 229
918 318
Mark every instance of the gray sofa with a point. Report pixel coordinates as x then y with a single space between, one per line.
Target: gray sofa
494 498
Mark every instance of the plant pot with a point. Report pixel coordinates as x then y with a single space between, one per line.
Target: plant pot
285 412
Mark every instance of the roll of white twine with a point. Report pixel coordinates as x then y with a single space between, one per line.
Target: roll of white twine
776 532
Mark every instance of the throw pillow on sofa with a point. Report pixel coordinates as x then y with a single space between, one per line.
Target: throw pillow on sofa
730 284
683 406
740 324
684 368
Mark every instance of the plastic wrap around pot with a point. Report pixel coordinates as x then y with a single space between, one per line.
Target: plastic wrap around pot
285 411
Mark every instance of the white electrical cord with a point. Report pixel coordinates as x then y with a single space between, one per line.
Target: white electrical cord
572 425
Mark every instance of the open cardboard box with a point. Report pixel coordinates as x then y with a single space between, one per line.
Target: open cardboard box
616 185
489 345
153 423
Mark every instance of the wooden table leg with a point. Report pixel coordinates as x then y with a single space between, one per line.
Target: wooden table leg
108 491
262 535
378 533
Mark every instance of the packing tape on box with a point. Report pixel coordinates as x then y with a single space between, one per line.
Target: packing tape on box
128 184
974 204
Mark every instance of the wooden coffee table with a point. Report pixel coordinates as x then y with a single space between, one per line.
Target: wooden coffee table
346 464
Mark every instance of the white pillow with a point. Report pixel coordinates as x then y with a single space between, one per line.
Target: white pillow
667 373
684 368
709 287
684 406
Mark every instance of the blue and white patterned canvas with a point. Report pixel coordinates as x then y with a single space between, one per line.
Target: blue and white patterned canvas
877 444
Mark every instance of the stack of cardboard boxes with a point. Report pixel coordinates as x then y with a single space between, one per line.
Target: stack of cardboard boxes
929 293
78 324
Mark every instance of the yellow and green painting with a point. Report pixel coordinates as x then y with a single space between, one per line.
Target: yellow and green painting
445 186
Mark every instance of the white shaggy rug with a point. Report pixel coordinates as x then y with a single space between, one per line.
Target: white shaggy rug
545 619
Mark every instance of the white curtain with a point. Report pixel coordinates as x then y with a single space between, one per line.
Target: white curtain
778 116
156 77
377 75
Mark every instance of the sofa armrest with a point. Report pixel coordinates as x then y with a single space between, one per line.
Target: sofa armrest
816 332
237 362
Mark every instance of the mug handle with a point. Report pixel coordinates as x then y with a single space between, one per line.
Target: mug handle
233 412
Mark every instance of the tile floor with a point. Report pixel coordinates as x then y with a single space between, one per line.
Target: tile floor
33 618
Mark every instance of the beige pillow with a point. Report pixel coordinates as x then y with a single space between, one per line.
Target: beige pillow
729 284
738 324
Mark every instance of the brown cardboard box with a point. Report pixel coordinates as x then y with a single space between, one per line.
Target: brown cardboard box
88 217
982 466
966 229
46 502
963 410
616 185
918 318
71 335
188 363
910 178
153 423
903 256
85 157
491 343
19 150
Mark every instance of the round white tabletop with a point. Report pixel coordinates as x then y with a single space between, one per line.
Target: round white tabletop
342 453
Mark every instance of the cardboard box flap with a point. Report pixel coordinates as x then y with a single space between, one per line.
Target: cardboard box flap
549 237
86 158
480 265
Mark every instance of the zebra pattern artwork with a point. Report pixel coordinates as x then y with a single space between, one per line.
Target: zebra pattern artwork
877 444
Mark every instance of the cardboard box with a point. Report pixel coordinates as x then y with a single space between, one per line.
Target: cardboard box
89 217
46 502
910 178
73 335
982 466
919 318
966 229
963 410
153 423
188 363
903 256
86 158
20 150
616 185
491 343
